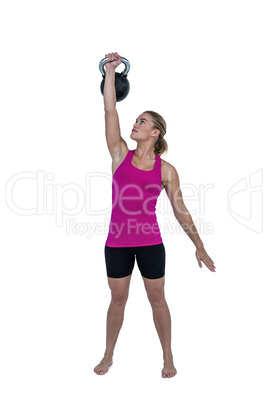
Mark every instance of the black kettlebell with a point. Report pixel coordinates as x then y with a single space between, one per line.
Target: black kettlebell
121 81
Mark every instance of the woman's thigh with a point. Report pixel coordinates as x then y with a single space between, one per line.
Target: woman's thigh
119 288
151 261
119 261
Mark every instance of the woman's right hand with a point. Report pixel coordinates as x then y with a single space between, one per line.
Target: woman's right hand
113 64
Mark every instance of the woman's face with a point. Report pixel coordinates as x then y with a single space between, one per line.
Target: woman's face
143 127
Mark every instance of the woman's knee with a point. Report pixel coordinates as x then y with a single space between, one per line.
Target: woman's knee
119 299
157 299
155 291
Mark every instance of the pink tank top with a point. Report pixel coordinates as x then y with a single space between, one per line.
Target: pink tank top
134 196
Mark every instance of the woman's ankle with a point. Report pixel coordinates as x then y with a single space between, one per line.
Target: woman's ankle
108 355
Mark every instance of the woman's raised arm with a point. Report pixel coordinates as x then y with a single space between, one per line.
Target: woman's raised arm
115 142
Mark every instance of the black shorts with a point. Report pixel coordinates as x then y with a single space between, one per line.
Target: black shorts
150 259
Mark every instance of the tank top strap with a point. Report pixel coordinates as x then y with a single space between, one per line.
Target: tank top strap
128 157
157 163
130 154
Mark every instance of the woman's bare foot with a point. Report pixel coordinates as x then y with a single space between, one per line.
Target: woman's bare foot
169 369
102 368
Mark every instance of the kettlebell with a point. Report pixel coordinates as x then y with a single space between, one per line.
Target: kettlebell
121 81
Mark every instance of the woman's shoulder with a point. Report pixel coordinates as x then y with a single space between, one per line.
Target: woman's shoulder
167 170
166 166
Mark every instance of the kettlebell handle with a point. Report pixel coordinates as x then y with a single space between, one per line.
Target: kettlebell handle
106 60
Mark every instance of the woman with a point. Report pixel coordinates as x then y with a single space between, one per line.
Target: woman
138 178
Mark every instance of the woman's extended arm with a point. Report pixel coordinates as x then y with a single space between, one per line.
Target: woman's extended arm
172 187
112 128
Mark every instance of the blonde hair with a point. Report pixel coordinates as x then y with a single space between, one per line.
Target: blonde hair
159 123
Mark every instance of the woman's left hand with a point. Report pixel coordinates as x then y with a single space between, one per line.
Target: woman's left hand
202 255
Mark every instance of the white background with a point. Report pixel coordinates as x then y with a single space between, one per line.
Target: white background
203 66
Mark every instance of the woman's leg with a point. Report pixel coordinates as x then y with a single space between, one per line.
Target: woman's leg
162 320
115 316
